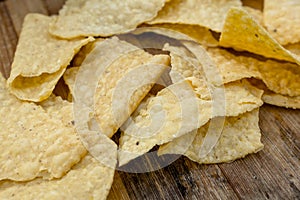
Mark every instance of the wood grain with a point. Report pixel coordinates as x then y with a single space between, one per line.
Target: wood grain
272 173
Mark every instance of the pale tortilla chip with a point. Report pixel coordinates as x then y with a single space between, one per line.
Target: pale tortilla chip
86 180
40 59
240 136
207 13
242 32
255 13
102 17
36 142
124 84
295 48
136 140
282 19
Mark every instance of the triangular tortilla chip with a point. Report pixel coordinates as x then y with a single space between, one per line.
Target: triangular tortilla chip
36 142
207 13
242 32
240 136
87 180
40 59
124 83
102 17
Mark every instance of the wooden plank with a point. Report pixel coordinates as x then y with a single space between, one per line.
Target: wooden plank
8 40
53 6
118 190
272 173
19 8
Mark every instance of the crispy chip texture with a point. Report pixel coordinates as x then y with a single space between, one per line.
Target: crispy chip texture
282 19
87 180
36 142
240 136
131 74
240 97
207 13
40 59
70 78
242 32
102 17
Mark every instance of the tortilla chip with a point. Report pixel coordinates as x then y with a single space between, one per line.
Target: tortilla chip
282 19
206 13
294 48
70 78
240 137
242 32
199 34
234 67
40 59
107 18
167 110
124 84
86 180
36 142
273 98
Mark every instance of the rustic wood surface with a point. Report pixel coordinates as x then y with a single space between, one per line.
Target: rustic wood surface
273 173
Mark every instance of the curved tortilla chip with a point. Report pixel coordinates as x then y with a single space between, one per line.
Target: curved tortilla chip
107 18
86 180
40 59
207 13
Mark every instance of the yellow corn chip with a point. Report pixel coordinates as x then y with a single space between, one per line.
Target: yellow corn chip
282 19
86 180
242 32
207 13
255 13
136 140
40 59
294 48
102 17
240 136
133 74
35 142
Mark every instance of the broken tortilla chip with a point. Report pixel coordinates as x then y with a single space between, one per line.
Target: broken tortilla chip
240 136
282 20
139 135
206 13
40 59
242 32
86 180
102 17
70 78
36 143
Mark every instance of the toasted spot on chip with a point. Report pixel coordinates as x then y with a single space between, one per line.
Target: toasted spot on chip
40 59
102 17
240 136
86 180
282 19
240 97
207 13
36 142
124 84
242 32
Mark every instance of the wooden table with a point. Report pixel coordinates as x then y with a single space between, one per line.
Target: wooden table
273 173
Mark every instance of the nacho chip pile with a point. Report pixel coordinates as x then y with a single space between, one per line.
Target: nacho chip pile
188 76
